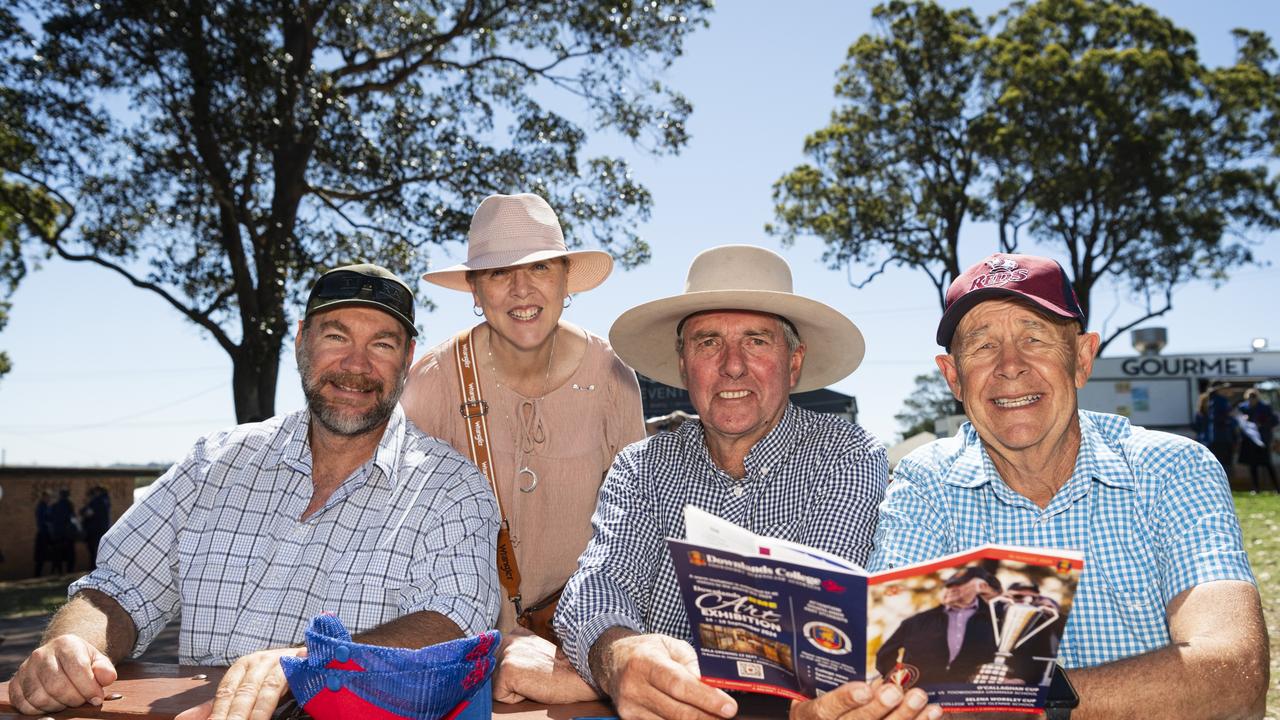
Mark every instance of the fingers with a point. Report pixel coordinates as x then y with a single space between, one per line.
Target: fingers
654 679
60 674
503 689
104 672
859 701
251 689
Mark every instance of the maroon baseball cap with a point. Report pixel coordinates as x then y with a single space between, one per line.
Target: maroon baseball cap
1038 280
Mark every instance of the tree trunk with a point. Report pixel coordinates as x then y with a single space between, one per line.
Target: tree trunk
253 378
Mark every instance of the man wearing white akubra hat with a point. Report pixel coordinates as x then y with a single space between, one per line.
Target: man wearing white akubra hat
741 342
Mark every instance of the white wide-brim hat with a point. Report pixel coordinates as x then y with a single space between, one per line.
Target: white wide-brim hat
738 277
511 230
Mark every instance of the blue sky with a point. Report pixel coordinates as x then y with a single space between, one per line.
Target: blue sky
108 374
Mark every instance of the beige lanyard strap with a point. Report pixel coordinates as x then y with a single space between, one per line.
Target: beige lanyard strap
474 410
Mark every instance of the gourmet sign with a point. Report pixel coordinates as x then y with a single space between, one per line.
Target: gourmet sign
1254 365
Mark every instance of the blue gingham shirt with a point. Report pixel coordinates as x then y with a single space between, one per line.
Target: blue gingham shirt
1152 513
219 539
814 478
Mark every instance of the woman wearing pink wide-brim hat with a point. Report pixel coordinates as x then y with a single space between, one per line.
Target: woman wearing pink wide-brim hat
558 405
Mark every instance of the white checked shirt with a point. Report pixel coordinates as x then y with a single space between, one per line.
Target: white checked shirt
1151 511
219 539
814 479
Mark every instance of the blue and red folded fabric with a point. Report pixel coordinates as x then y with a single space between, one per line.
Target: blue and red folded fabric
343 679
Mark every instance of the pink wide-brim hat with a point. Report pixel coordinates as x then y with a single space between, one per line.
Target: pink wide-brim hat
738 277
509 230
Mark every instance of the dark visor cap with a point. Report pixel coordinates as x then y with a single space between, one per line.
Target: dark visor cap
1040 281
369 285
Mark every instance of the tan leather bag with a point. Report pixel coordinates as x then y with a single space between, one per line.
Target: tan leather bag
537 617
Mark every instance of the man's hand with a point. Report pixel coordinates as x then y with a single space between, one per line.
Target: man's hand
656 676
531 668
863 701
250 690
65 672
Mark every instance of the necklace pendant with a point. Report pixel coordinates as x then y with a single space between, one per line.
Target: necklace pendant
533 476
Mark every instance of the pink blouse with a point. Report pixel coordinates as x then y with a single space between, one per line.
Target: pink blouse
572 434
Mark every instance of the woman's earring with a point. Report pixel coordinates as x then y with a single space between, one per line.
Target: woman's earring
475 310
568 300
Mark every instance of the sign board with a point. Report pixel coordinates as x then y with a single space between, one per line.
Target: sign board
1162 402
1257 366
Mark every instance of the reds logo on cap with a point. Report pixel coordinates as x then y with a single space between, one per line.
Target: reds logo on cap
1004 270
1038 280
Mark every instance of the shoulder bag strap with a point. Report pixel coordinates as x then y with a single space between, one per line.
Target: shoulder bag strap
474 409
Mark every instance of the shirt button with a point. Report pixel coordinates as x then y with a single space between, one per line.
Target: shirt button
738 490
342 653
333 683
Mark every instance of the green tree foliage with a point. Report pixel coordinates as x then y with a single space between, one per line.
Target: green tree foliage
893 176
15 151
1086 128
930 400
1128 153
219 154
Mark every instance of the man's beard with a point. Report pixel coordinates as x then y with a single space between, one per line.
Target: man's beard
336 418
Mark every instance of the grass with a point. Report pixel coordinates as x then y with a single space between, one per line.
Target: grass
34 596
1260 522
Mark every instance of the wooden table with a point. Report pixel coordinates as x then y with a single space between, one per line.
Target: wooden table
150 691
147 691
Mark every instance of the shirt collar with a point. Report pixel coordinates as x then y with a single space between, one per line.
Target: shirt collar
1096 460
291 448
766 454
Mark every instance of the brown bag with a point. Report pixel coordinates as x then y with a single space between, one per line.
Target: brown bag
537 617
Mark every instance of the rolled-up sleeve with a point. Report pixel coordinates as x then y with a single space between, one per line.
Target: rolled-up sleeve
137 558
454 572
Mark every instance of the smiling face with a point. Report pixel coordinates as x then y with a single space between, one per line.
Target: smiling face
1017 373
353 362
522 303
739 372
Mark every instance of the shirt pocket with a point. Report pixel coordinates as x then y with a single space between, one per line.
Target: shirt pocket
785 524
363 589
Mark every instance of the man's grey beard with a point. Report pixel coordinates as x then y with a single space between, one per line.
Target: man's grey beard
332 417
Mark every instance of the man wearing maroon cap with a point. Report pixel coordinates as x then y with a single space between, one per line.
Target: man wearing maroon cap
1167 621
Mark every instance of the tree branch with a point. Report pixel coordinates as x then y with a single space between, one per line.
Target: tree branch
192 315
1168 305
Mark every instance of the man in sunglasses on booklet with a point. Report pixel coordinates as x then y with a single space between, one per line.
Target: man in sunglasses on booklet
343 506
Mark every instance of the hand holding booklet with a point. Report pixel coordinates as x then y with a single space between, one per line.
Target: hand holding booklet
977 630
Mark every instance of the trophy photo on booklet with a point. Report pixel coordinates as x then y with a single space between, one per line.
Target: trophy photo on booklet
1020 621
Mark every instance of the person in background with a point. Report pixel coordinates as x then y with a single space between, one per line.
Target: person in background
43 550
343 507
95 519
1255 448
1167 612
1223 431
63 533
558 405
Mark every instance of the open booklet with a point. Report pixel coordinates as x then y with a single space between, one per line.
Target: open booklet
977 630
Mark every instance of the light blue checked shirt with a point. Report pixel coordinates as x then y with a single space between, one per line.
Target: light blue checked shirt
814 478
219 539
1151 511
